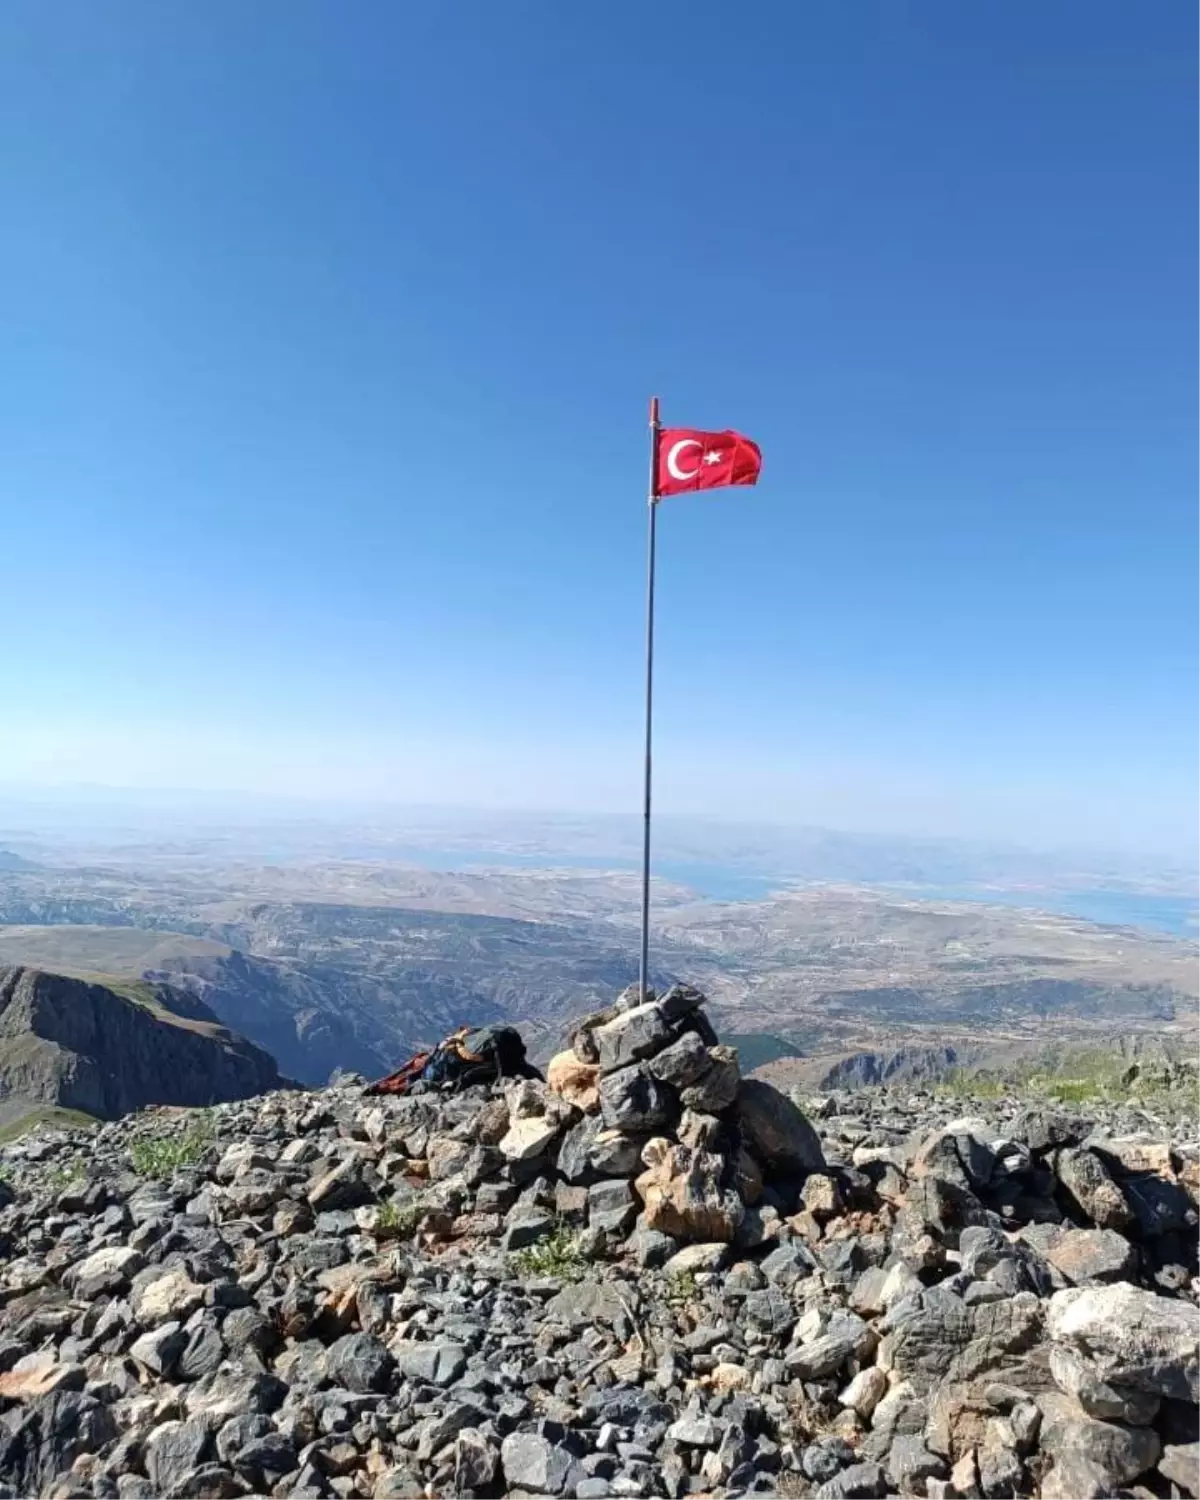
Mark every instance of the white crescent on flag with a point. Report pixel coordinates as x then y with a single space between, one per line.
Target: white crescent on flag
673 459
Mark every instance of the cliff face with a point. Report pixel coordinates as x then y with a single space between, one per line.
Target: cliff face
82 1046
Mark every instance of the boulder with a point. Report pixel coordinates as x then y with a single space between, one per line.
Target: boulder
683 1194
533 1463
1085 1256
682 1062
631 1036
1180 1464
1076 1376
717 1087
633 1099
1085 1451
1088 1186
1133 1337
776 1131
611 1206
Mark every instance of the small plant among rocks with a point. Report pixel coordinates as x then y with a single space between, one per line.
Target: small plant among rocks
160 1156
681 1287
399 1220
65 1175
557 1257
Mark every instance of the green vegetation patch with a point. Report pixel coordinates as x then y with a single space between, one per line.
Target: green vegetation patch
160 1156
557 1256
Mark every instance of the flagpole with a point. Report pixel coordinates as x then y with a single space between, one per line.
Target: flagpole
652 506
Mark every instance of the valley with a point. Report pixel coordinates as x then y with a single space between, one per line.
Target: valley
335 962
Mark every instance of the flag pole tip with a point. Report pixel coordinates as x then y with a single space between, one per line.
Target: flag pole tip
654 408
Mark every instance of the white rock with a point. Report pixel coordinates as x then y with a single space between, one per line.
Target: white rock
527 1137
1133 1337
865 1391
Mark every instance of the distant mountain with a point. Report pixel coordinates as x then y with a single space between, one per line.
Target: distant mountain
67 1044
11 861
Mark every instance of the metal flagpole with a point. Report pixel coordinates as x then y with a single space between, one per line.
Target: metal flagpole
652 505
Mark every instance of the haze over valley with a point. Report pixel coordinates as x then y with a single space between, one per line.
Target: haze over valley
345 943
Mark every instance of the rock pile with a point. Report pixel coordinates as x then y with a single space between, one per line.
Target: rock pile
646 1277
663 1130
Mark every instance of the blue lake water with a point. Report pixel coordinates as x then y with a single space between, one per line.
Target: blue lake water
1179 915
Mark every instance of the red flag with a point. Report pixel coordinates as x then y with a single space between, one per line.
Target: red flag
689 460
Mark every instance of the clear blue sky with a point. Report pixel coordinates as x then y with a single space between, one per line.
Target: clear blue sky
328 336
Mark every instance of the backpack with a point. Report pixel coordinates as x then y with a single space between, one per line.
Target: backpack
464 1058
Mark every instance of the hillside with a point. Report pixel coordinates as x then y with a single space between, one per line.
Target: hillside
66 1044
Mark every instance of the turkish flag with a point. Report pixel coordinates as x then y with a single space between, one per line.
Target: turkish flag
689 460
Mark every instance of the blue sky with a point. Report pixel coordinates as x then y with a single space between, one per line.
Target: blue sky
328 338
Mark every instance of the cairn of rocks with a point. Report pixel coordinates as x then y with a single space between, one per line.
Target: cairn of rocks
661 1132
645 1277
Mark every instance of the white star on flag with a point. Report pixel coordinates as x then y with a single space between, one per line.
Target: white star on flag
712 457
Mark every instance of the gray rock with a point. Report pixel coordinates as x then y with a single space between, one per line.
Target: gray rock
476 1461
173 1451
1091 1189
633 1099
1042 1128
910 1464
158 1351
270 1454
999 1466
107 1272
203 1352
717 1088
360 1362
680 1001
821 1356
693 1258
212 1481
1082 1448
1077 1376
612 1206
770 1310
531 1462
631 1036
650 1248
45 1437
587 1303
1180 1464
616 1153
858 1482
574 1150
527 1228
439 1363
696 1430
341 1186
788 1265
777 1132
682 1062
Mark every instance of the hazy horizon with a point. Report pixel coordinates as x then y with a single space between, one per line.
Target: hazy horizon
179 809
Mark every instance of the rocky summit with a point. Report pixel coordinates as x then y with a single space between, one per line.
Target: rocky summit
646 1276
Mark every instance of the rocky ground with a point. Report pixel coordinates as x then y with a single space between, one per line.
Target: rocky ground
647 1277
